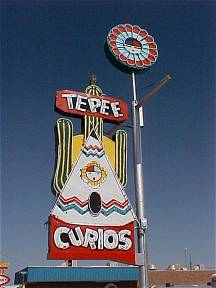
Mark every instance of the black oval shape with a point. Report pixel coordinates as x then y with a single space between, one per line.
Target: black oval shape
95 203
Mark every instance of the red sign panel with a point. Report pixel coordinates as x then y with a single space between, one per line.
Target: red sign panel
68 241
4 279
73 102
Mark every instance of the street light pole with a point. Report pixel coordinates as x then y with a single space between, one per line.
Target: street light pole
139 189
138 177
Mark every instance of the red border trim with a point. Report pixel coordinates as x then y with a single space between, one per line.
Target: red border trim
80 252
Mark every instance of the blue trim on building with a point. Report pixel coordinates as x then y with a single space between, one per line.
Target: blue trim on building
73 274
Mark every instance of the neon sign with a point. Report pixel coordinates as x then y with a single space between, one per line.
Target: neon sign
4 279
92 217
130 48
73 102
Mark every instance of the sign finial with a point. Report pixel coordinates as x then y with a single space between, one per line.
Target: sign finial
93 80
92 88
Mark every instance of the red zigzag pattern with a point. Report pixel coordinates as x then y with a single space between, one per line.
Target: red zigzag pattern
84 203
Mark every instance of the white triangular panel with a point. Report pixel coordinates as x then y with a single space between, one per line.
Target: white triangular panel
93 173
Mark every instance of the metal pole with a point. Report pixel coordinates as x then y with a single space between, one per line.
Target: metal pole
186 262
141 103
139 189
154 91
190 262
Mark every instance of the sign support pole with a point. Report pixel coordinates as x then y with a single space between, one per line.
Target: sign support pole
139 188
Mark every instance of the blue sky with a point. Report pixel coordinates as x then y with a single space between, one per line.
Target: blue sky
53 45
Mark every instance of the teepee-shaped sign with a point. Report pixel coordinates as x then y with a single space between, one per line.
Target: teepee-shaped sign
92 217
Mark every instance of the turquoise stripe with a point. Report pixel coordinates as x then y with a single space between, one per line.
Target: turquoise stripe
103 211
93 154
115 209
72 206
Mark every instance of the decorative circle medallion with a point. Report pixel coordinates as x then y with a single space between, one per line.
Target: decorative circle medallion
93 174
131 48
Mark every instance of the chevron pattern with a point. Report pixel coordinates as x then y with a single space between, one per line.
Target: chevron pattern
93 150
73 203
